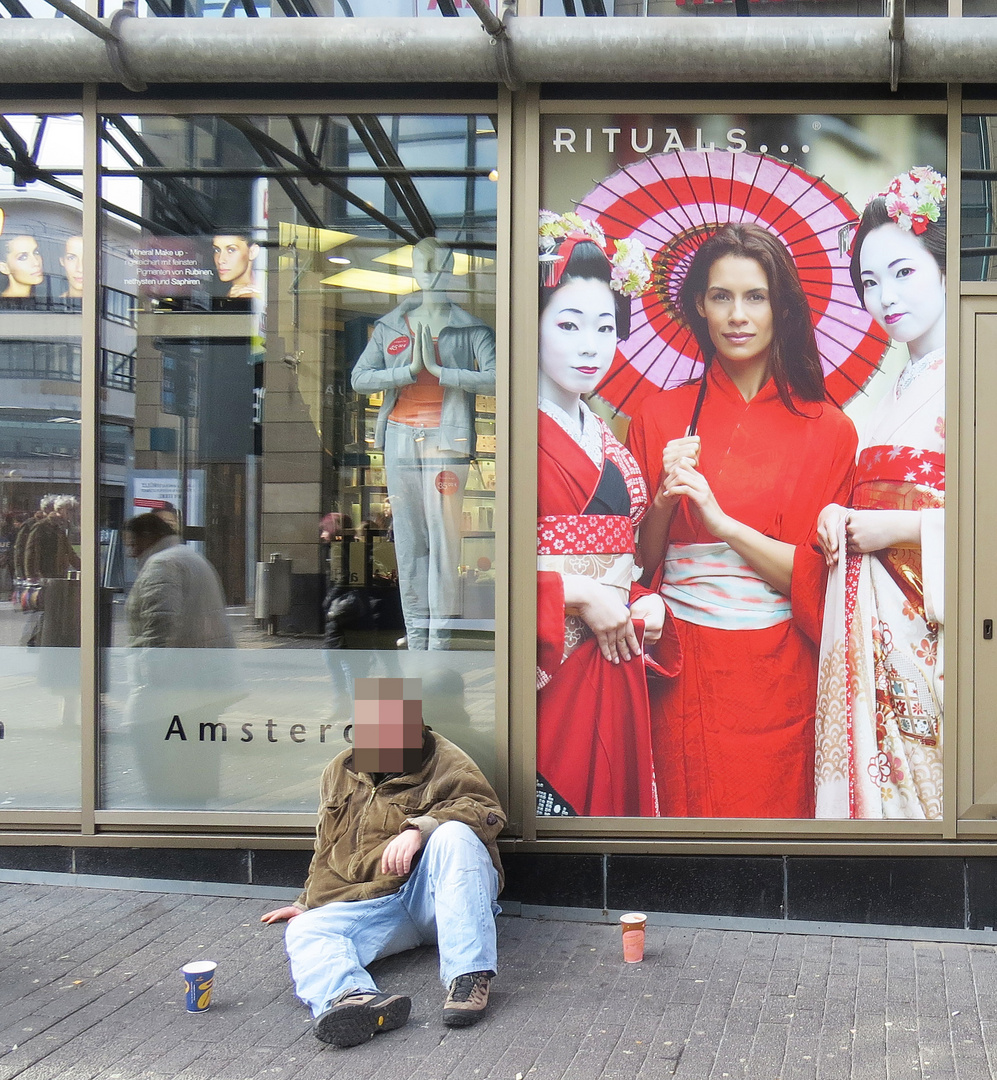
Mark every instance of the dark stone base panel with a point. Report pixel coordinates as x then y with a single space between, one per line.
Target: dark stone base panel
947 891
747 888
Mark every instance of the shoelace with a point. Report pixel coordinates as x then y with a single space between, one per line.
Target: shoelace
464 987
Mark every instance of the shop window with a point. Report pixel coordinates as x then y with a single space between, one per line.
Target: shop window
312 353
979 191
40 360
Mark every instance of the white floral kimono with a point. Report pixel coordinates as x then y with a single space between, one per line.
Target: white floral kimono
879 697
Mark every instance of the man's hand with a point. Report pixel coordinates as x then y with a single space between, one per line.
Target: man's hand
398 855
281 914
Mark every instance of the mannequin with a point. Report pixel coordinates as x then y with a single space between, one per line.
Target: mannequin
430 358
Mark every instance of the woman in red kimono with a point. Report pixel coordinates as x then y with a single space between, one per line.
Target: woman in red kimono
593 723
734 732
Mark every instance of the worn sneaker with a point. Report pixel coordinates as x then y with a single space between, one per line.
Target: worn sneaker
359 1015
467 1000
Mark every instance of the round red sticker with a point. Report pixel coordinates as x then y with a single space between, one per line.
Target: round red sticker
446 482
400 344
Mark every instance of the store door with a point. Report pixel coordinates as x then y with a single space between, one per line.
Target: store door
978 583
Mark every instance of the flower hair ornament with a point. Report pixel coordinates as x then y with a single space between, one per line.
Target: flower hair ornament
631 265
913 200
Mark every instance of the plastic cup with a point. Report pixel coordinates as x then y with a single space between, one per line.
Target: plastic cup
633 924
199 978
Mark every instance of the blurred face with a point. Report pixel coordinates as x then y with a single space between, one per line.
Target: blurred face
387 735
72 263
737 310
22 264
234 257
902 286
577 338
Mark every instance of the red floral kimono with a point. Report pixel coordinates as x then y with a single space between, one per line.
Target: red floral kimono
733 734
593 721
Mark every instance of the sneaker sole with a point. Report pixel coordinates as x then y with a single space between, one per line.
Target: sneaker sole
462 1017
351 1025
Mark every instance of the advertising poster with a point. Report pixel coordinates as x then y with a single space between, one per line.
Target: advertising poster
223 272
741 466
41 255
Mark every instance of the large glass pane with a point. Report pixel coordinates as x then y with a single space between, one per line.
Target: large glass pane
979 190
771 351
41 285
309 302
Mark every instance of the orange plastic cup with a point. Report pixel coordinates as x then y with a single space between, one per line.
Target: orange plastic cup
633 925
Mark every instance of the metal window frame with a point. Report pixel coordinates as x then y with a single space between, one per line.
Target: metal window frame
519 118
91 823
716 835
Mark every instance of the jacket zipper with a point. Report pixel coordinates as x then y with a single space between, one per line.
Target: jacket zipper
360 830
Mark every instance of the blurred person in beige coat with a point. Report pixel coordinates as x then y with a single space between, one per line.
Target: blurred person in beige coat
175 612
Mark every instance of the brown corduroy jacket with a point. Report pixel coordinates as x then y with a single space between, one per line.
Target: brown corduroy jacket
357 819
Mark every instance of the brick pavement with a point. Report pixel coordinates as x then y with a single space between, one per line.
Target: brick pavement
90 990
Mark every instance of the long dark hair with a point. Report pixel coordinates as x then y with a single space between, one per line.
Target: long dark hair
588 261
874 215
793 359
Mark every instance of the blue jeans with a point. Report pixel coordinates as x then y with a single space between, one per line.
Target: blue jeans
426 519
449 898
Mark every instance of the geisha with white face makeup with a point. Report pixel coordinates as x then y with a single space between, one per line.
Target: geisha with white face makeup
593 747
885 551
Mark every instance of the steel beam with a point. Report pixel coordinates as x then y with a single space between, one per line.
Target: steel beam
542 50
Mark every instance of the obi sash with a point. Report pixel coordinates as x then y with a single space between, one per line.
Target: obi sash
711 585
597 546
901 465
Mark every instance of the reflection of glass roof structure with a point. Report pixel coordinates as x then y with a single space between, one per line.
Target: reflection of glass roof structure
397 177
253 9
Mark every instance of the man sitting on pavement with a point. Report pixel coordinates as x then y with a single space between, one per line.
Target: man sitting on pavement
405 855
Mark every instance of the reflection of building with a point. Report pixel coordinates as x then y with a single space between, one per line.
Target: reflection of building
254 395
40 355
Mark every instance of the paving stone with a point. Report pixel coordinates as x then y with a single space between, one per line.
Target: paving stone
91 991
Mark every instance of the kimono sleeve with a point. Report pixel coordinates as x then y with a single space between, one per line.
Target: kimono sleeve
550 625
809 581
933 563
637 444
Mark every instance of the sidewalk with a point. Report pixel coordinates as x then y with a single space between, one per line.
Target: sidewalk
89 988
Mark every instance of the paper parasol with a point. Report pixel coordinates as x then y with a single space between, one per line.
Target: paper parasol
672 203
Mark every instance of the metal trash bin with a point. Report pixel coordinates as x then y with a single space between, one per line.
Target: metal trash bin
273 590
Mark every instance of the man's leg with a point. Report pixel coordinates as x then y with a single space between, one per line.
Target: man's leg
451 898
330 947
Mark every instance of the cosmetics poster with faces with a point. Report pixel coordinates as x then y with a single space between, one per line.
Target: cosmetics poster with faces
41 255
741 466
